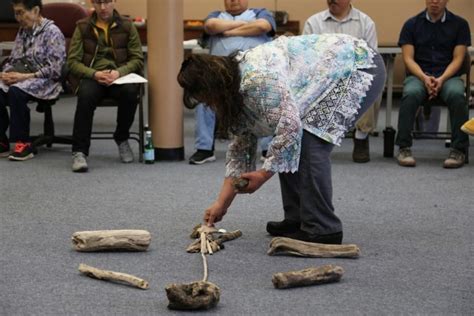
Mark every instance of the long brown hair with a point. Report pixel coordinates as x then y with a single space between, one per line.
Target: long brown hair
214 80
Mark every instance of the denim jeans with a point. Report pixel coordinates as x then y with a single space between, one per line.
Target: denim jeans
414 94
205 128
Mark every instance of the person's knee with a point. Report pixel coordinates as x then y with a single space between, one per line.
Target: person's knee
415 92
129 91
17 97
14 92
455 97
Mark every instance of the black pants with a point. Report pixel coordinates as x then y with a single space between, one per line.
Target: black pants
90 94
19 120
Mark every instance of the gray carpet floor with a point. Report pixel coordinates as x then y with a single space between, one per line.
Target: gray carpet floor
414 228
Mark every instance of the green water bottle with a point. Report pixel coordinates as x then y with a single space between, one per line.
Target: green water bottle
149 155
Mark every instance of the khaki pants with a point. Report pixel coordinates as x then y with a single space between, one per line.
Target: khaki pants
368 121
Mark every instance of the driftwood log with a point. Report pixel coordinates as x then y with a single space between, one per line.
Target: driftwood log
127 239
113 276
215 241
201 294
288 246
192 296
310 276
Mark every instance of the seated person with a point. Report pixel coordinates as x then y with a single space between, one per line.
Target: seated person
433 46
342 17
104 47
236 29
32 72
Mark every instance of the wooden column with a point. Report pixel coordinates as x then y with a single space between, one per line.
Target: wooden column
165 55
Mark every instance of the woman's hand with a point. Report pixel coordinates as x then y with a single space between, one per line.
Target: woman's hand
217 210
214 213
256 180
10 78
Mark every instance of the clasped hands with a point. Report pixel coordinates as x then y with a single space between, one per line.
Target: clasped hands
433 85
106 77
13 77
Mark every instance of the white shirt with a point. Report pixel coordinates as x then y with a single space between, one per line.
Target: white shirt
356 23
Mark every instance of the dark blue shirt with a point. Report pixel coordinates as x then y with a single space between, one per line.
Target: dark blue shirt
434 42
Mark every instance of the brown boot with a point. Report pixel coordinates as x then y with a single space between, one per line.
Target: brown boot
455 159
361 153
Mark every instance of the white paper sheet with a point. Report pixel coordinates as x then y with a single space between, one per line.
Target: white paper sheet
130 78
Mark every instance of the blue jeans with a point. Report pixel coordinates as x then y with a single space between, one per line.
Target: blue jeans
414 94
205 127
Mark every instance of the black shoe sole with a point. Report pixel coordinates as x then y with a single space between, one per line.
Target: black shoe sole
200 162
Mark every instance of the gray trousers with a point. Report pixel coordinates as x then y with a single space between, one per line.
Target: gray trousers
307 193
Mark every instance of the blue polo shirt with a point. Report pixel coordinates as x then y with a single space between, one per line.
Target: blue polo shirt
434 42
223 46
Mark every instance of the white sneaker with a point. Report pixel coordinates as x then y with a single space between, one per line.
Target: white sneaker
125 152
79 162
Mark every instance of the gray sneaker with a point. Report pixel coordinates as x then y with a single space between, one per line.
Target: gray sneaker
79 162
405 158
125 152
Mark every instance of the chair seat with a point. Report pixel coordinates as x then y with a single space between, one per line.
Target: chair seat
108 102
43 104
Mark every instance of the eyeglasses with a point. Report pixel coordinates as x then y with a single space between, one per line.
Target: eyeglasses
99 2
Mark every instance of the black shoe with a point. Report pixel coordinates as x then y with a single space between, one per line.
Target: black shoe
361 153
202 156
335 238
23 151
282 228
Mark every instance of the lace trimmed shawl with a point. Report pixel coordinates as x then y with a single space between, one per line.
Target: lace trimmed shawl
311 82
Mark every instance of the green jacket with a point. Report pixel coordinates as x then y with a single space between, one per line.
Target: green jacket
90 51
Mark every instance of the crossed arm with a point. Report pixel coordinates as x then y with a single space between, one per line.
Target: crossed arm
216 26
